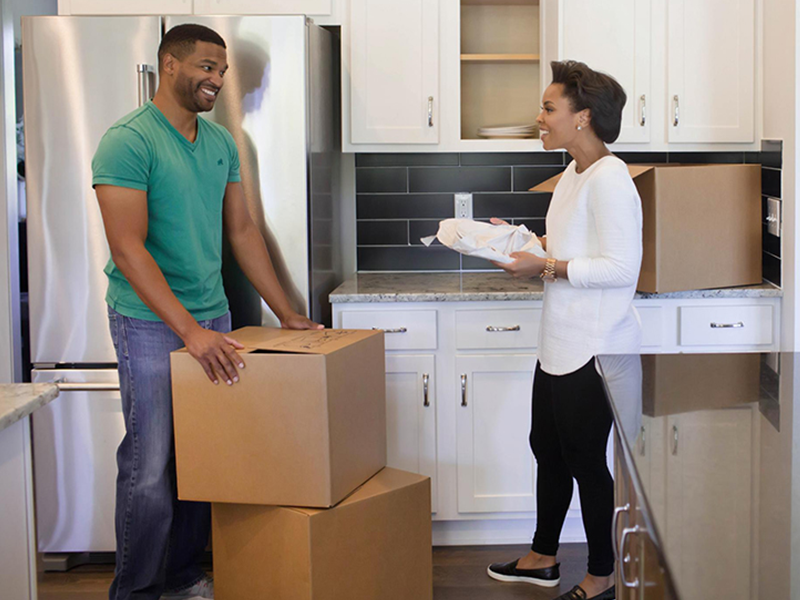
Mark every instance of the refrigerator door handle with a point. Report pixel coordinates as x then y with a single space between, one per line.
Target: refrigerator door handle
145 74
66 386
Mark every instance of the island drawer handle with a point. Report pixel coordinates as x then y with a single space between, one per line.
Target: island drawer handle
425 379
87 387
398 330
738 325
636 529
615 526
492 328
463 390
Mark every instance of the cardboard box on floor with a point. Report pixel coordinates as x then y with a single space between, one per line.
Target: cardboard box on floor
702 225
374 545
305 425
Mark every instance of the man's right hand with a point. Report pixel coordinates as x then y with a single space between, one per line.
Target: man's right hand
216 353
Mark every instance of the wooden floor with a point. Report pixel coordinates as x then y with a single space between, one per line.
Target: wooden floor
459 573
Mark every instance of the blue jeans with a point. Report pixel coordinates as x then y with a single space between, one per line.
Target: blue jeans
159 538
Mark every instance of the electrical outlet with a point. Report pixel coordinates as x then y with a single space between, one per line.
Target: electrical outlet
463 209
774 216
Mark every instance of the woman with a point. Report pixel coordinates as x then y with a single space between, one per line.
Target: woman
594 239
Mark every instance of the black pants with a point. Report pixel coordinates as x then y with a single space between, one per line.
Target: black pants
569 433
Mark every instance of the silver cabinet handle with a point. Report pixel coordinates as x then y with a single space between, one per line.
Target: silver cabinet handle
738 325
398 330
425 401
493 328
642 449
144 73
65 386
430 111
463 390
677 119
628 531
643 104
674 440
614 526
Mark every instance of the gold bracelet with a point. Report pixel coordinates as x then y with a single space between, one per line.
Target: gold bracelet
549 272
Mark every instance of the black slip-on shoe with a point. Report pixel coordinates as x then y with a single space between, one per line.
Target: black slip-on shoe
547 577
577 593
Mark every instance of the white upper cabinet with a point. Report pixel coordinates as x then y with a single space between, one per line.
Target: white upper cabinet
313 8
614 37
710 66
124 7
394 71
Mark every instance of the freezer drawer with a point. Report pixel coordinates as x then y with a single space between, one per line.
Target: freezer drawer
75 440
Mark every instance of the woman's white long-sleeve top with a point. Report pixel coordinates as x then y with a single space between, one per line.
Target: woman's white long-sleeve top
594 222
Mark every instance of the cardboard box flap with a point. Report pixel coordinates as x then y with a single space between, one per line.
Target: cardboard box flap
386 480
322 341
549 185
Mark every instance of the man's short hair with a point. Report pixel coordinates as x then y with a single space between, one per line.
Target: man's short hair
598 92
180 41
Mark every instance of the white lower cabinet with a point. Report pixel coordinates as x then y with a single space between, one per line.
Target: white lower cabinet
469 433
495 465
411 416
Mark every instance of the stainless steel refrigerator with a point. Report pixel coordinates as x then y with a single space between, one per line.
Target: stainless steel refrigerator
80 75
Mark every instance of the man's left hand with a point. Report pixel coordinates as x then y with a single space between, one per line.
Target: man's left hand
525 265
298 321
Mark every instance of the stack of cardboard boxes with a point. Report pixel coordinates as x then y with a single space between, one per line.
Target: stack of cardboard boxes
293 460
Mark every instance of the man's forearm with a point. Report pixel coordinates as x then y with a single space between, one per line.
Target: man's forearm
253 257
142 272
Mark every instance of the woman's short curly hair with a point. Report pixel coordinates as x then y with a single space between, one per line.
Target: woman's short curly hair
600 93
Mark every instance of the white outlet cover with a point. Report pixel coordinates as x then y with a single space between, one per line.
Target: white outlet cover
774 216
463 205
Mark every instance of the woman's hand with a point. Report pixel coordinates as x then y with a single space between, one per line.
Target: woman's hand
496 221
525 265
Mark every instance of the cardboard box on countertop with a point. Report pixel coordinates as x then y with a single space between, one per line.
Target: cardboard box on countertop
702 225
374 545
304 426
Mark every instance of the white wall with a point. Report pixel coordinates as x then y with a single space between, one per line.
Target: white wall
780 78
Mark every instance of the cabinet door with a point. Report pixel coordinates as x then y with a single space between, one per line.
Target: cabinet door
710 450
614 37
394 71
495 464
411 416
125 7
710 79
262 7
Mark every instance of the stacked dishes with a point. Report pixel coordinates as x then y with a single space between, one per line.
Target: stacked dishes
509 132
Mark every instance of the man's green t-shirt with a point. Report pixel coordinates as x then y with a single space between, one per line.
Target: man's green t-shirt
185 184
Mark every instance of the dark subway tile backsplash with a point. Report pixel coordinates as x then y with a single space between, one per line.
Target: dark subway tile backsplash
460 179
382 233
513 158
528 204
404 206
407 258
429 159
401 198
527 177
384 179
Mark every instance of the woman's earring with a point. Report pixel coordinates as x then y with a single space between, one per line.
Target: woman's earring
579 127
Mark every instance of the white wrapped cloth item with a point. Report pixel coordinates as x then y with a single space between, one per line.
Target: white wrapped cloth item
484 240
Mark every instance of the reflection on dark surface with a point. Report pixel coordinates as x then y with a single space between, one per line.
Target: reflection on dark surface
716 458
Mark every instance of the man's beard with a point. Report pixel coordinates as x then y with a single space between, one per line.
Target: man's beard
187 95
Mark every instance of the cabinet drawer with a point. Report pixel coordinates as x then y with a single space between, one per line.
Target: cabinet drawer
725 325
652 325
482 329
404 329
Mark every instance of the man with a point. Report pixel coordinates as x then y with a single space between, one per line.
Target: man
168 185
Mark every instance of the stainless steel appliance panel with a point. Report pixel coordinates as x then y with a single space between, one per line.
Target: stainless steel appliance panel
79 79
75 442
264 105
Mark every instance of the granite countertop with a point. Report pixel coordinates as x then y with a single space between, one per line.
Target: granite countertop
479 287
18 400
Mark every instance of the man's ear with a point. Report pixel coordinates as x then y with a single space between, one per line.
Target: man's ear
169 64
